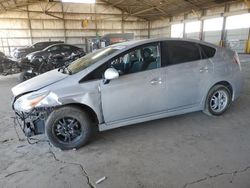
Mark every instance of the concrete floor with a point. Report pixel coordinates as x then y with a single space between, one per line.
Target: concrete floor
192 150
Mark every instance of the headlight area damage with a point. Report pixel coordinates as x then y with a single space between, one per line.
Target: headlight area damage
32 110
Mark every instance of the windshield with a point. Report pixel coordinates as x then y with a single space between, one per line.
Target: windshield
90 59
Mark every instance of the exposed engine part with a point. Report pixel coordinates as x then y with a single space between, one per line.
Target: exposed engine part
32 123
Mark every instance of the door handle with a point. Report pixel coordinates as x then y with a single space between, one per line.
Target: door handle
156 81
203 69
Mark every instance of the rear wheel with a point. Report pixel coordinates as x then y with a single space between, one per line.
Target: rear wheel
218 100
68 127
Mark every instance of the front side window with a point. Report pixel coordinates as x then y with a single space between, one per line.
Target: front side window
182 51
136 60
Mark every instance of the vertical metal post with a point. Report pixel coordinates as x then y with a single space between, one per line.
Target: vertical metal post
122 24
2 44
29 24
8 44
64 27
202 30
96 30
184 30
149 27
184 26
224 32
202 26
248 43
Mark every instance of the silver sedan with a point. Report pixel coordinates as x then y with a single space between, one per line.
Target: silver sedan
128 83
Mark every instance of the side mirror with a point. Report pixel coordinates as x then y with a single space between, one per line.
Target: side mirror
111 74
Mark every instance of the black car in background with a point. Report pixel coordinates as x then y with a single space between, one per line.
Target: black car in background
56 49
52 57
22 52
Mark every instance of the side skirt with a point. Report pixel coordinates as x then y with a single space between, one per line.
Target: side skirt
104 126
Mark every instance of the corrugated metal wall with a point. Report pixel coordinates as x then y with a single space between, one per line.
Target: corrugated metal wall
31 24
234 38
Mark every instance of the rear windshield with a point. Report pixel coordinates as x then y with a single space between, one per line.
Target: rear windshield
207 52
90 59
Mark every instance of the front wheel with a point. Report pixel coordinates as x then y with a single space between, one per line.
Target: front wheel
68 128
218 100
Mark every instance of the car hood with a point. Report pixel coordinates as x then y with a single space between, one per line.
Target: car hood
38 82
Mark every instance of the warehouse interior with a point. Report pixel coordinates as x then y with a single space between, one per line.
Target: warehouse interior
190 150
26 22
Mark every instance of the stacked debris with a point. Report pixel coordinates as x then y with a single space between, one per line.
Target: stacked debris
8 66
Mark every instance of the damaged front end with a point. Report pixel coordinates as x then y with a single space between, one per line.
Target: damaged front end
32 123
32 110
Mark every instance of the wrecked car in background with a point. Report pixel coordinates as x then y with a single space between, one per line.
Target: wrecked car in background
125 84
18 53
52 57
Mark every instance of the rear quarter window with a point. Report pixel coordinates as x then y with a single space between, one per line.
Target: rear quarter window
207 52
182 51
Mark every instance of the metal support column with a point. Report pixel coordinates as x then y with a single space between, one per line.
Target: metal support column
184 26
224 32
29 24
122 24
248 43
202 26
96 29
64 27
149 25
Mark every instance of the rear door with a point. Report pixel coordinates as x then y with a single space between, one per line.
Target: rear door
187 74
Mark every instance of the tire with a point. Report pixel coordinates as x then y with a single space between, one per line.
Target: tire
25 76
218 100
65 123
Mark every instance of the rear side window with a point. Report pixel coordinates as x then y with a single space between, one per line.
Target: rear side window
66 47
207 52
182 51
39 45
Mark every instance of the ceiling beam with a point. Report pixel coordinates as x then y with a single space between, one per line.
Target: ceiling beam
157 7
194 6
142 11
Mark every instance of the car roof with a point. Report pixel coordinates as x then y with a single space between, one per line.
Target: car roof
49 42
60 44
146 41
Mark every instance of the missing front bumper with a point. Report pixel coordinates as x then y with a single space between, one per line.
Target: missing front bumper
31 124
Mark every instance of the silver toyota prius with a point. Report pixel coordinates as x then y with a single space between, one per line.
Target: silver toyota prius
125 84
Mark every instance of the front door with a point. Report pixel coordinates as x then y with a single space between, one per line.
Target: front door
140 90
